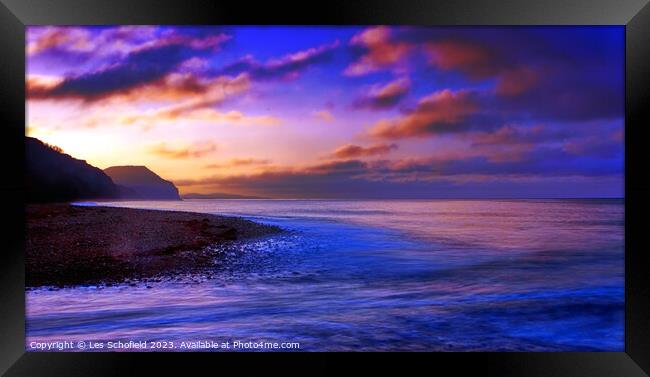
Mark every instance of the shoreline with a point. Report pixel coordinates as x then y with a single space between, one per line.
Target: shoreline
69 245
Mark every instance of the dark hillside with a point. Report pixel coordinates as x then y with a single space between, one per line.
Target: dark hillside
53 176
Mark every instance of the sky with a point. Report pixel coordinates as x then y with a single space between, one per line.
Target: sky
339 112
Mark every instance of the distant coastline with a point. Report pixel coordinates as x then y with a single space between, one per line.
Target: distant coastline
219 195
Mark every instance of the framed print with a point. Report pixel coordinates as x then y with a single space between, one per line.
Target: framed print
463 182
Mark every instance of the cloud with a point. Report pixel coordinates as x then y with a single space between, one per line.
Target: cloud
506 144
202 114
595 145
238 162
474 60
472 176
195 100
208 93
286 67
552 75
439 112
354 151
479 62
517 81
380 51
41 83
70 38
111 41
176 87
384 96
566 95
512 134
324 115
313 179
193 151
141 67
89 42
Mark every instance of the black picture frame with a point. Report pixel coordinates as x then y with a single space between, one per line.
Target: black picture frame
634 14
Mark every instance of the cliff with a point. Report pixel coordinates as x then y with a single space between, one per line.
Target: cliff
138 182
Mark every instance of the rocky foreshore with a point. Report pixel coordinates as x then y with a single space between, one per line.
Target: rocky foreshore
70 245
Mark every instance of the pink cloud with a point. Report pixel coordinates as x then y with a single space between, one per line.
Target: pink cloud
70 38
384 96
381 51
124 59
182 152
475 61
516 81
237 162
595 145
478 63
324 115
355 151
287 67
194 99
440 111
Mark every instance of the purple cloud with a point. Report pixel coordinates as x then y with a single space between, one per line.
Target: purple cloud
386 96
286 67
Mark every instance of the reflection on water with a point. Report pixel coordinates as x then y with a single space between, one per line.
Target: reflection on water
378 275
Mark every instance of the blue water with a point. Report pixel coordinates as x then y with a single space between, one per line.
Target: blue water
440 275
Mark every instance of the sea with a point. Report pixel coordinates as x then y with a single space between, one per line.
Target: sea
369 275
